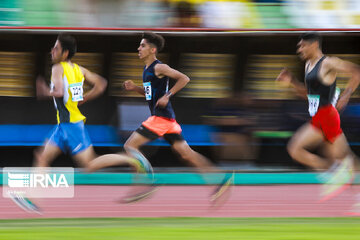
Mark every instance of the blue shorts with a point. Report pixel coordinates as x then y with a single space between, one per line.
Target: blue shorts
71 137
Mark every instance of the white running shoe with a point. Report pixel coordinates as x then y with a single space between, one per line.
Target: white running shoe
337 181
25 203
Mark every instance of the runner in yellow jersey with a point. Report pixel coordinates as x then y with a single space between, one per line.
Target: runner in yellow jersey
66 89
69 135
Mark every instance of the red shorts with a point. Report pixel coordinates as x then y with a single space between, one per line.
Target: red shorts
162 126
327 120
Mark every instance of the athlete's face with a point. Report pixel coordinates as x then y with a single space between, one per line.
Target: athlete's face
57 54
305 49
145 49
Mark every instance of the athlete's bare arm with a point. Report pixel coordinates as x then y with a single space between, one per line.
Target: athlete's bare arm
339 65
287 79
181 79
129 85
98 82
42 88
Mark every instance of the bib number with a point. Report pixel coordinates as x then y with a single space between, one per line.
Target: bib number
76 90
147 89
314 101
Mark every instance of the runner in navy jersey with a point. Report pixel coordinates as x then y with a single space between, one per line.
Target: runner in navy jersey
162 121
324 128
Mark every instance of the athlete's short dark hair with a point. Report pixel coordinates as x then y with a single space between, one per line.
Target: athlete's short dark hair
68 43
157 40
311 37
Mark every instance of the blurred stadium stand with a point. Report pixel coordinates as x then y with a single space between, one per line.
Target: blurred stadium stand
182 13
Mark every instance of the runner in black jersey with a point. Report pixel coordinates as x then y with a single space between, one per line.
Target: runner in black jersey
162 121
324 128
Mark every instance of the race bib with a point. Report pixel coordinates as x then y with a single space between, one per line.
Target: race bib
314 101
147 89
76 90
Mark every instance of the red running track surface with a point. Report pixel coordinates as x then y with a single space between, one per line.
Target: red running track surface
190 201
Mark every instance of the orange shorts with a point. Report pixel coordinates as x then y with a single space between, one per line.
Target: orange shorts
327 120
161 126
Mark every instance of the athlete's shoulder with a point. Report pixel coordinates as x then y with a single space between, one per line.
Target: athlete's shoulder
161 66
331 61
162 69
57 65
57 68
156 63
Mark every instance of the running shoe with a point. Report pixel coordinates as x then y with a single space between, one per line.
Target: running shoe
223 187
140 195
25 203
145 165
355 211
339 180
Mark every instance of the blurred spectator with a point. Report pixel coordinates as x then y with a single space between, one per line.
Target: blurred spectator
186 15
142 13
234 14
182 13
323 13
11 13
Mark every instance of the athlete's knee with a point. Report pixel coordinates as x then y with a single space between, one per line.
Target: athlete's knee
293 150
40 159
128 147
89 167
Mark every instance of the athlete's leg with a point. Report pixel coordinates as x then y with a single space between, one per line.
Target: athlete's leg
325 151
307 137
45 155
132 148
79 143
338 179
91 162
193 158
339 149
340 176
109 160
52 148
85 157
204 165
43 158
135 141
88 158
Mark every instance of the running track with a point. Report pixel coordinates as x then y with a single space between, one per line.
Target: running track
191 201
